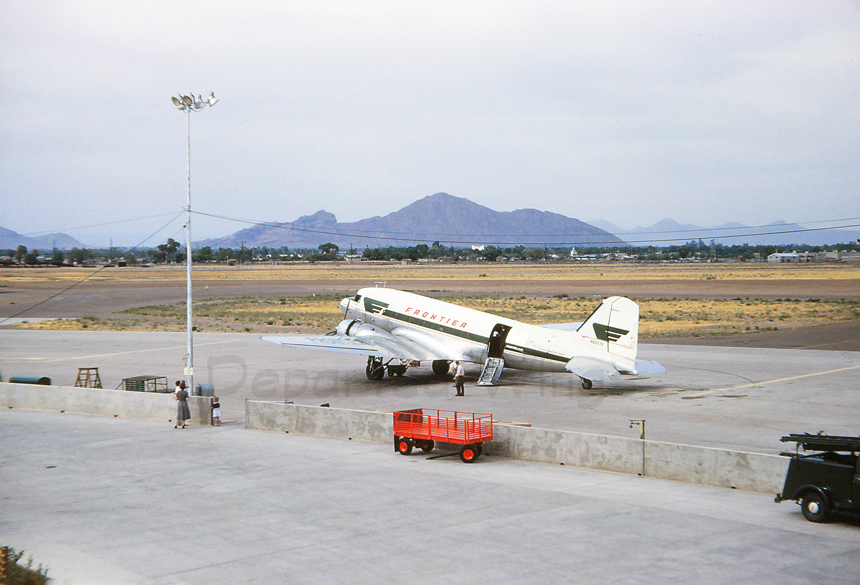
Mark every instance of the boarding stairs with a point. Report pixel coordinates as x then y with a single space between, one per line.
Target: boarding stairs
492 371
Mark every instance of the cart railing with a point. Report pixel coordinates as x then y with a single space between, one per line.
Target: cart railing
448 426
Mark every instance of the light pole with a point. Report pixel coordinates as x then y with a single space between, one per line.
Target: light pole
188 103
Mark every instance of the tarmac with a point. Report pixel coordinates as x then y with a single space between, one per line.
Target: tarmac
104 500
738 398
120 501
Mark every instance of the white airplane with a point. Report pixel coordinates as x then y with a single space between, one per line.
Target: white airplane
398 330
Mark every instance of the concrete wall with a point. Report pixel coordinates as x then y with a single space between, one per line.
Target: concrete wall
333 423
102 402
731 469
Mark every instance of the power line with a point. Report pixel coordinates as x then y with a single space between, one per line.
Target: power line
88 276
83 227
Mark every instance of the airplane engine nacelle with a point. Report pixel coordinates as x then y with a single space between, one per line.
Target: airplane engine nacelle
347 327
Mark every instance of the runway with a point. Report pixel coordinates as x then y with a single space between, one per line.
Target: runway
735 398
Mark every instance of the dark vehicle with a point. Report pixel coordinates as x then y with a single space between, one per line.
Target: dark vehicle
826 481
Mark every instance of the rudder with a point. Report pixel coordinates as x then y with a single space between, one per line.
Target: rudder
614 323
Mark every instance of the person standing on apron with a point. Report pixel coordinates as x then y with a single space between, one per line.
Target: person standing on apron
182 411
459 375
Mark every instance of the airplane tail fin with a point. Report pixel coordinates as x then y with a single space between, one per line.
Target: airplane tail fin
615 324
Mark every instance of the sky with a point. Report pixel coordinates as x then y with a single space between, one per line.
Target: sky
704 112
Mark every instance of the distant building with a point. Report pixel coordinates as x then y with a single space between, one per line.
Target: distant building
782 257
843 256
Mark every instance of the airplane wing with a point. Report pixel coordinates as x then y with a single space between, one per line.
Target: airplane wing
401 343
649 368
590 368
597 370
341 343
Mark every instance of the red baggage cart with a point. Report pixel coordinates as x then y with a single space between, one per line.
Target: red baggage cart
422 427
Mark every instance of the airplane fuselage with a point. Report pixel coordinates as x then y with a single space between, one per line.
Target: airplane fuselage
457 332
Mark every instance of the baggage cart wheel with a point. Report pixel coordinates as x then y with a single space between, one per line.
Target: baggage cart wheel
815 507
468 454
427 446
396 440
480 448
404 445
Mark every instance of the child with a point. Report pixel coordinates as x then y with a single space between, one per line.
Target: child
216 412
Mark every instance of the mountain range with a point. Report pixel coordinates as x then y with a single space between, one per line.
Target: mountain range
439 218
668 232
10 240
460 222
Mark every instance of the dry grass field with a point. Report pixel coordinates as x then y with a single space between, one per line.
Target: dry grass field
675 299
364 273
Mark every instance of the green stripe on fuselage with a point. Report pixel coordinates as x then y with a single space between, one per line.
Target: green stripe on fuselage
437 327
462 333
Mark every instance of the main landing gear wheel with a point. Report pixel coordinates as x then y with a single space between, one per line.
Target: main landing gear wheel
374 370
468 454
815 507
586 384
441 367
404 445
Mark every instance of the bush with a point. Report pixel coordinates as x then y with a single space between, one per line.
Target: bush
23 574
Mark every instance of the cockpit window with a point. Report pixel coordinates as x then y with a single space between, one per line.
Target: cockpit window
356 298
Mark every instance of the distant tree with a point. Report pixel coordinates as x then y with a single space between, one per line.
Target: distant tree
411 252
57 258
20 252
491 253
204 254
31 257
436 251
533 254
327 252
78 256
169 249
374 254
244 254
